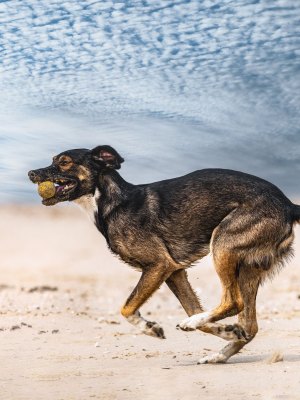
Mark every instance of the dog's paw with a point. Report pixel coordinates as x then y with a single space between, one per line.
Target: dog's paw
235 332
154 329
215 358
146 327
193 322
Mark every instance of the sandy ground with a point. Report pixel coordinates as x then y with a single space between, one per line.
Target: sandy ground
62 336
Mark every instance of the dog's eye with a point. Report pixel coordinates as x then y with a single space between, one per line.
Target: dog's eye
64 163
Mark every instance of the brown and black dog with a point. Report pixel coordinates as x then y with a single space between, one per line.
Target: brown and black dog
162 228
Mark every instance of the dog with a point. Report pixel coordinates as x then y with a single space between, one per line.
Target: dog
162 228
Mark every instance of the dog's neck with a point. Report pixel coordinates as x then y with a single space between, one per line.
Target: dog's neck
111 190
89 204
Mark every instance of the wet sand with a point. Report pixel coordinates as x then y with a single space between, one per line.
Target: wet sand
63 338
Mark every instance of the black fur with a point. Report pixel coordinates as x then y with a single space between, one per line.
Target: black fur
177 215
163 227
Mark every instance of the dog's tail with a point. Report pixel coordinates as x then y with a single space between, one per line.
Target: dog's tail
296 213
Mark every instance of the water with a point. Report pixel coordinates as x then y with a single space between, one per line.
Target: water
174 88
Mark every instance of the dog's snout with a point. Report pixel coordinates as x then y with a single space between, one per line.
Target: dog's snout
33 176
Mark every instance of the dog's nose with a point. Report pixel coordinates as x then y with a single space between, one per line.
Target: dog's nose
32 175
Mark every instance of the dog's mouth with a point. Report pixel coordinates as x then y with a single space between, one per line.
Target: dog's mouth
63 189
64 186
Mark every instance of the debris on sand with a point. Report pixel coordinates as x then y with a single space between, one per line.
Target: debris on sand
43 288
277 356
15 327
153 354
5 287
108 321
24 324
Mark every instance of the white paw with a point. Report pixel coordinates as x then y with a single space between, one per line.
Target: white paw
213 359
193 322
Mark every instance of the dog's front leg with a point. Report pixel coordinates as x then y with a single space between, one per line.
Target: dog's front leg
149 282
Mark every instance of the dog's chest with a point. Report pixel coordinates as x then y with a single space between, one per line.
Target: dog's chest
131 254
89 204
134 246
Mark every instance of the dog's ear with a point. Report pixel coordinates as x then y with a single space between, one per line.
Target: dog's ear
107 156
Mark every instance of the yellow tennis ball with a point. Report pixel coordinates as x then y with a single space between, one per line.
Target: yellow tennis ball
46 189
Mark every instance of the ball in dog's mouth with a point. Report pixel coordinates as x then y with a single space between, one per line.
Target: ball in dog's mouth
46 189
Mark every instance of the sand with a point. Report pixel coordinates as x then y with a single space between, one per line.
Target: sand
63 338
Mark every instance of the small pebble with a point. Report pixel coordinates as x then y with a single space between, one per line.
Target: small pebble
14 327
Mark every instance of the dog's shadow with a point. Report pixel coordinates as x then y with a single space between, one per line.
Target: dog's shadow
263 358
244 359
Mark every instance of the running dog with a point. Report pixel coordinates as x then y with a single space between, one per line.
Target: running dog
162 228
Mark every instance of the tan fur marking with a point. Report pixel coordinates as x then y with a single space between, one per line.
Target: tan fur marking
232 301
83 173
149 282
287 242
65 163
127 311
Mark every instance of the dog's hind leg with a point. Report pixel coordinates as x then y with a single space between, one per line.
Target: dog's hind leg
249 280
180 286
149 282
231 302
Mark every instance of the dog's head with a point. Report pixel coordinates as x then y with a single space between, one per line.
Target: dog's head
75 172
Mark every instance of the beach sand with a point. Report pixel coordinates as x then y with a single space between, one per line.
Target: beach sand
62 336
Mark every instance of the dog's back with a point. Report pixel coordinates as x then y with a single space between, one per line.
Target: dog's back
192 213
